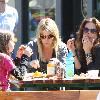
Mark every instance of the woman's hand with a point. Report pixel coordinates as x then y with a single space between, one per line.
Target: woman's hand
71 44
87 44
35 64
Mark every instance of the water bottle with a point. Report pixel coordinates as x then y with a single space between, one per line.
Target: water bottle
70 66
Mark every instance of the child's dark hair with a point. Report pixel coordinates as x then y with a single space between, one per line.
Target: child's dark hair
5 37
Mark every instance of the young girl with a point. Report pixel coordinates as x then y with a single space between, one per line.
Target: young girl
7 67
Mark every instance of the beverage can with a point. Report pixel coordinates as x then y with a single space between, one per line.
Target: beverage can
59 71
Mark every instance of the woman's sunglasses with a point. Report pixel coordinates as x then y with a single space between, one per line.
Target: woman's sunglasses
46 36
86 30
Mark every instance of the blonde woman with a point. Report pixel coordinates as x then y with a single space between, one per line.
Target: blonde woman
47 45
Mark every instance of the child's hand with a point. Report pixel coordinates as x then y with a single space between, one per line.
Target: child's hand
20 51
28 51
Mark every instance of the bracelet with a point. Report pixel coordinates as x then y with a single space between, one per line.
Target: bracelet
88 55
74 55
89 60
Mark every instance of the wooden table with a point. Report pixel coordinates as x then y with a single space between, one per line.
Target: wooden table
51 95
77 84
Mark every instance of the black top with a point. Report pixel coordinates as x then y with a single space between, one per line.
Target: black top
21 67
43 64
94 65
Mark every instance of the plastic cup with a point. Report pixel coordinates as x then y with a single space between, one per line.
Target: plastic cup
93 73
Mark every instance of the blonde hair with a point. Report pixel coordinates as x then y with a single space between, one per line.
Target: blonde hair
50 25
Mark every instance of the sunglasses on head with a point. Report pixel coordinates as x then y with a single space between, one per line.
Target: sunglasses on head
46 36
90 30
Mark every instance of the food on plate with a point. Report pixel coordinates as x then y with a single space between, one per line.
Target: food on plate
81 76
37 74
